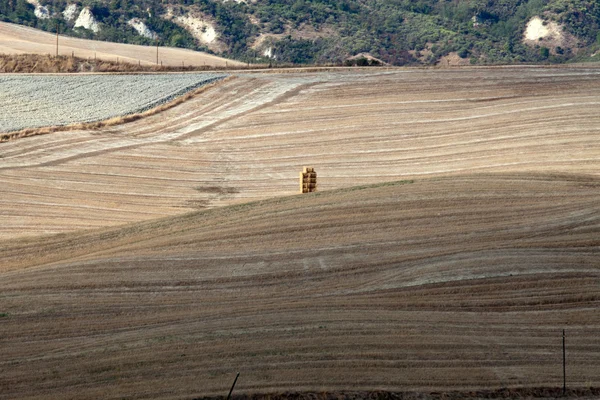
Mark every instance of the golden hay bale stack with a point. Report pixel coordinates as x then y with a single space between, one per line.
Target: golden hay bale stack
308 180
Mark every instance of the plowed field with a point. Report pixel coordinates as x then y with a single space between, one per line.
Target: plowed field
455 234
248 138
442 284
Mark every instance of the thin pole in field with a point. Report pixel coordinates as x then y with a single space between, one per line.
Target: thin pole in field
232 386
156 51
57 40
564 365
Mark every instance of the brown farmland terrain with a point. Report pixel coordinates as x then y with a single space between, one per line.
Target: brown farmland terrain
248 138
455 283
455 233
18 39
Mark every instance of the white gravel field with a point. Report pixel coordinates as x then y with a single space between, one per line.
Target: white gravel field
33 101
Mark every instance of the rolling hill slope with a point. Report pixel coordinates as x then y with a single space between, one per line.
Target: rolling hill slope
454 283
248 138
17 39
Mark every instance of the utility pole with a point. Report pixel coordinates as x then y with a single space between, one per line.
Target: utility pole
157 51
564 366
57 39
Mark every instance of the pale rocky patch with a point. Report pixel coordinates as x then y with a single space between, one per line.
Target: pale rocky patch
141 28
87 21
41 12
268 52
548 34
70 12
537 30
200 27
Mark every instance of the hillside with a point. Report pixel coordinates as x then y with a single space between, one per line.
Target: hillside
16 39
247 138
455 234
456 283
398 32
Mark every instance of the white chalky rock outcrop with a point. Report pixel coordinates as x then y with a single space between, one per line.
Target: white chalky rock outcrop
202 30
70 12
41 12
141 28
87 21
538 29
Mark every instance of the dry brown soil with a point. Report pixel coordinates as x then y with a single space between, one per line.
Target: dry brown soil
441 284
248 138
460 276
18 39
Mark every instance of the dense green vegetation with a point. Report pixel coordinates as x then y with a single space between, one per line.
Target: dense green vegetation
320 31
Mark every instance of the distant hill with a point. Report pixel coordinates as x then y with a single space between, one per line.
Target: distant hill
399 32
16 39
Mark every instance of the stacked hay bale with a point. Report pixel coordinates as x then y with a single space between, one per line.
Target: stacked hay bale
308 180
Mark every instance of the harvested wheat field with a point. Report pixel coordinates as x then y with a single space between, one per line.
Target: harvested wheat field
456 283
455 234
18 39
248 138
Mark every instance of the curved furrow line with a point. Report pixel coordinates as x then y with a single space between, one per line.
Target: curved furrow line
355 129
